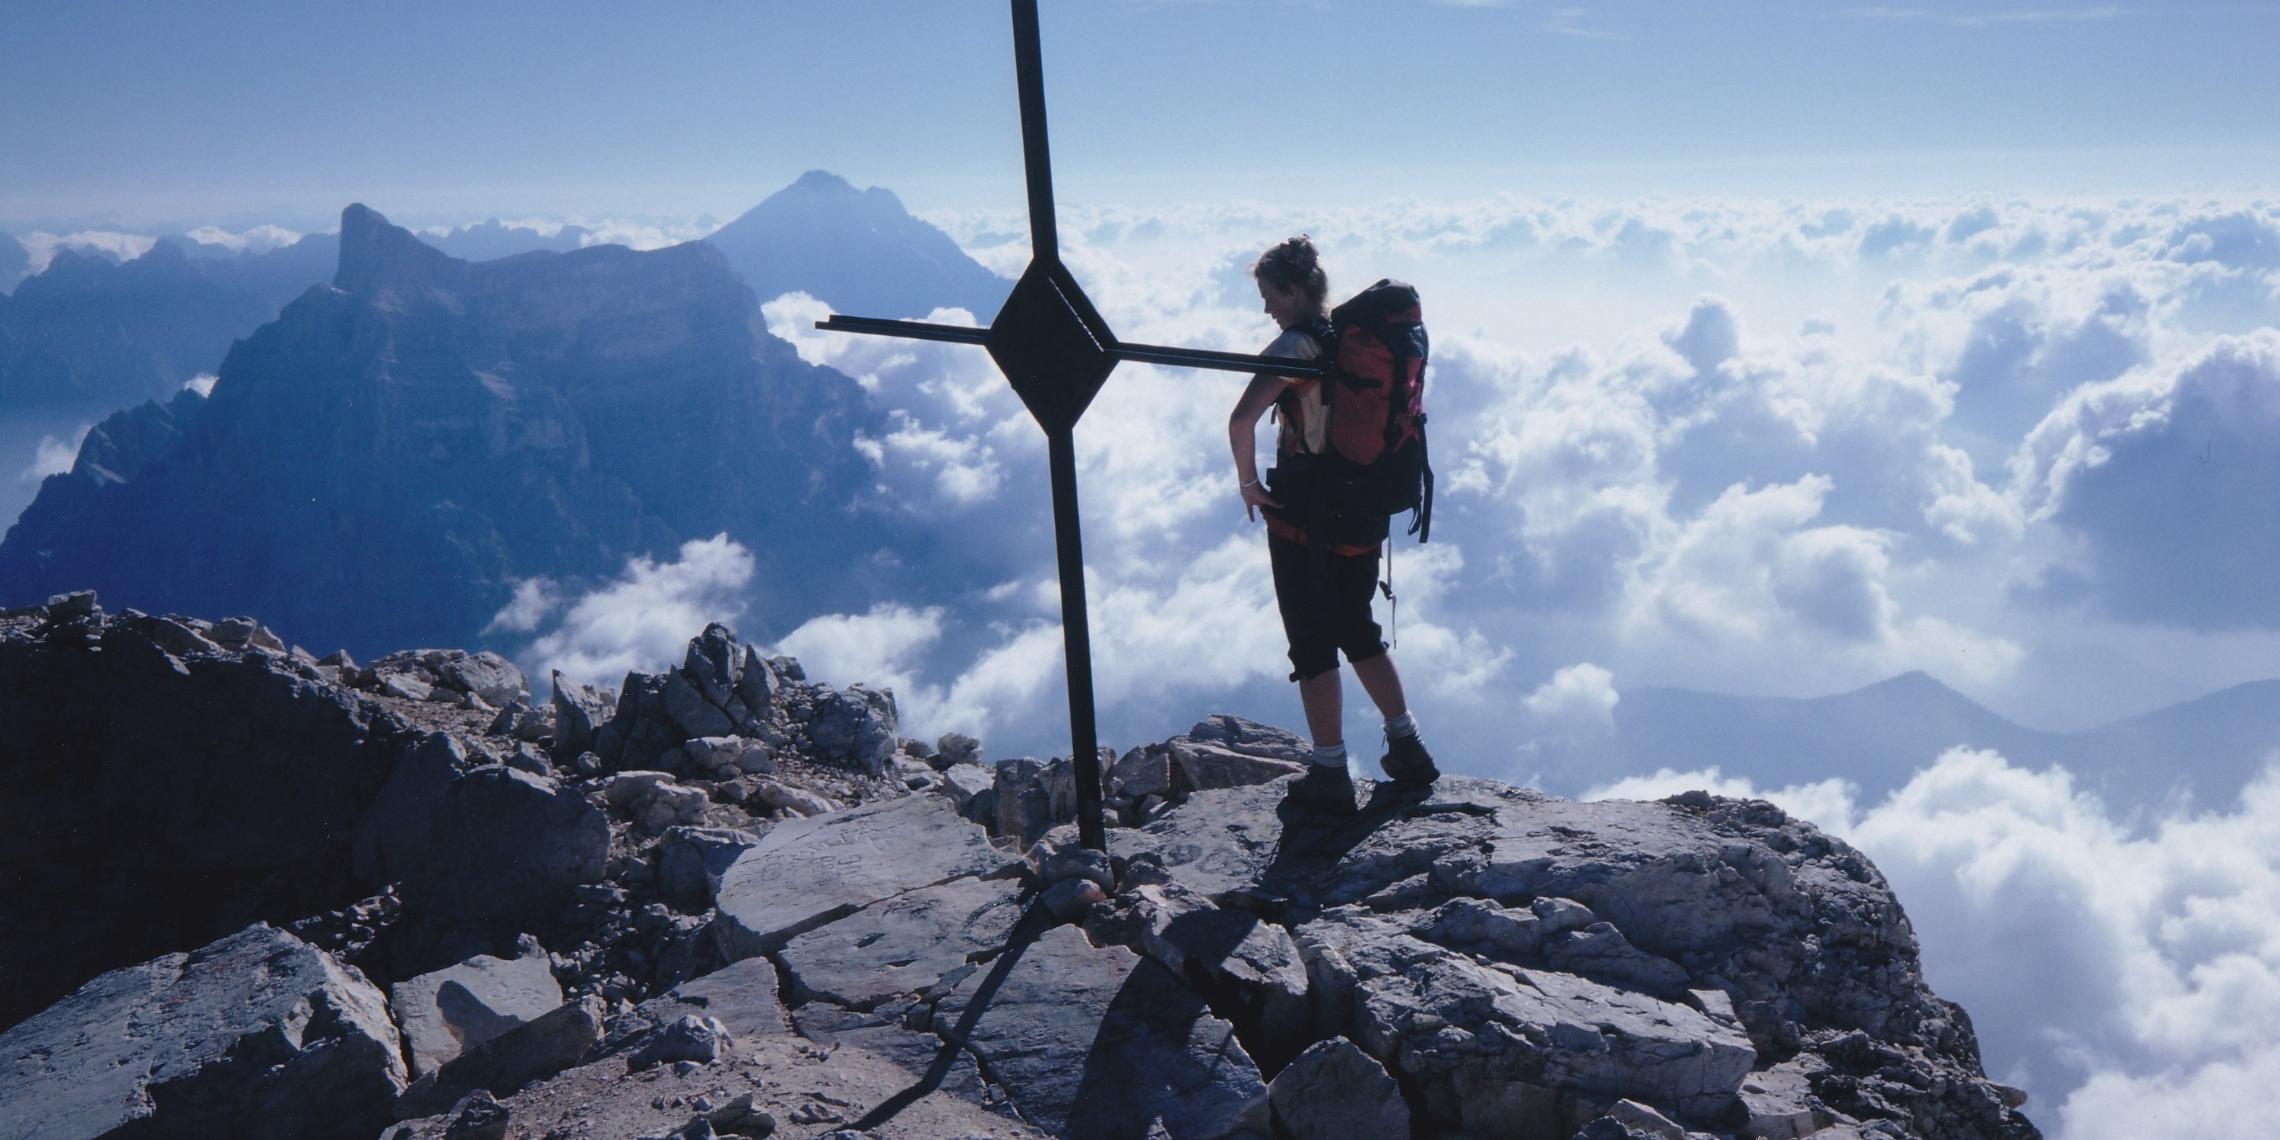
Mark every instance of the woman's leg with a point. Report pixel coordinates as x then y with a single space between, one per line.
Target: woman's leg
1323 697
1383 683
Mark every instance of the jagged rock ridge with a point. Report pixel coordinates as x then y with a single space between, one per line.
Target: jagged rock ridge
380 465
793 926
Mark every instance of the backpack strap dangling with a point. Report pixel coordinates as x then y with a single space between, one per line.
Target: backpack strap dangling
1393 602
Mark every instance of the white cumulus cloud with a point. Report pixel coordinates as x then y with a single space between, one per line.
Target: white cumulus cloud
642 620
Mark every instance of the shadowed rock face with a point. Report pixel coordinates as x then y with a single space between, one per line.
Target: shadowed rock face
377 466
821 946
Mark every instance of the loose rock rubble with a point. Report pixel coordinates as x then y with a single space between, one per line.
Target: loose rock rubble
724 901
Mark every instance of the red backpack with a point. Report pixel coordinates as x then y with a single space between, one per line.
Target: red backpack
1375 399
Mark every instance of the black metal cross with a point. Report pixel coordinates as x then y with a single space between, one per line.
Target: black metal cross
1056 350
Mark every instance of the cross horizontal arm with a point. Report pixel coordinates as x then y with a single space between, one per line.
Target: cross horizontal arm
1223 361
1143 353
913 330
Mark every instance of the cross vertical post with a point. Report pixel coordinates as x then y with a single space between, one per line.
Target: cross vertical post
1056 351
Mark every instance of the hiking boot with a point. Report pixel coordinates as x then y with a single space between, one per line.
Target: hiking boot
1407 763
1324 790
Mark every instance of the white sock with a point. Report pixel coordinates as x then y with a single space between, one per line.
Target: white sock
1329 755
1403 725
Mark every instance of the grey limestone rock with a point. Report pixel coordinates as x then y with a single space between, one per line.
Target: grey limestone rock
1024 800
953 748
741 996
807 872
1104 1043
962 782
1251 969
537 1048
438 817
691 861
855 727
447 1011
1069 899
901 946
485 674
1451 1022
1335 1090
689 1037
579 712
728 755
257 1035
779 796
164 793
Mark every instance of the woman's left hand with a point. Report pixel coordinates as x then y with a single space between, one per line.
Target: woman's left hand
1254 497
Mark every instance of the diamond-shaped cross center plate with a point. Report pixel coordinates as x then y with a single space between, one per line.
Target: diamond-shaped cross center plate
1052 345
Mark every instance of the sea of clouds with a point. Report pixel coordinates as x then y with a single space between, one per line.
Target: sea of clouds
2028 445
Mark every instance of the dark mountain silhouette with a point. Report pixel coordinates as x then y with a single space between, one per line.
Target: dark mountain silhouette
856 249
377 467
90 334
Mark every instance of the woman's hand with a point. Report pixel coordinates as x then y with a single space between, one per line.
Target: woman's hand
1254 497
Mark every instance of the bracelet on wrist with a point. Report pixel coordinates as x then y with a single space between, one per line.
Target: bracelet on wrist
1252 483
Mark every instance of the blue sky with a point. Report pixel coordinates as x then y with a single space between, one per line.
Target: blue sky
140 113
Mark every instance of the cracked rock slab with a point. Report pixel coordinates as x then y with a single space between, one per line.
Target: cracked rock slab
448 1011
901 946
257 1035
807 872
1104 1043
1453 1023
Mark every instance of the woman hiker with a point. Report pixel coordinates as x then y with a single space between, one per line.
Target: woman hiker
1323 593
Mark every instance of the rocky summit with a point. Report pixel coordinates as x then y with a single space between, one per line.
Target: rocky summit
283 895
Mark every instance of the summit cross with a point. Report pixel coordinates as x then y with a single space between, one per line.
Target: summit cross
1056 351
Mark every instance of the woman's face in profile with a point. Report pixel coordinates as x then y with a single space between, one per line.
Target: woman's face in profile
1288 307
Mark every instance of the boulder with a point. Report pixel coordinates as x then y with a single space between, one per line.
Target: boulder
1251 969
806 872
901 946
257 1035
579 712
962 782
777 796
728 755
538 1048
447 1011
482 842
854 728
1104 1043
653 801
486 675
689 1037
691 861
1335 1090
954 748
192 791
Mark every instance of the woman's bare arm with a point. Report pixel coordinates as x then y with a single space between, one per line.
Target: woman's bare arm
1242 438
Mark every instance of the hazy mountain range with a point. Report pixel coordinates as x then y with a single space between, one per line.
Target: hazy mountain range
399 437
383 463
1877 737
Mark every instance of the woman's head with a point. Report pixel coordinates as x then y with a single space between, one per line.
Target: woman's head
1291 282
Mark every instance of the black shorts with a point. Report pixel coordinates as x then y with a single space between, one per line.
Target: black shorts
1326 611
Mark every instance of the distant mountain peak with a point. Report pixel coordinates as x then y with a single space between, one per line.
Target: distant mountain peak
377 255
819 180
860 251
1913 682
